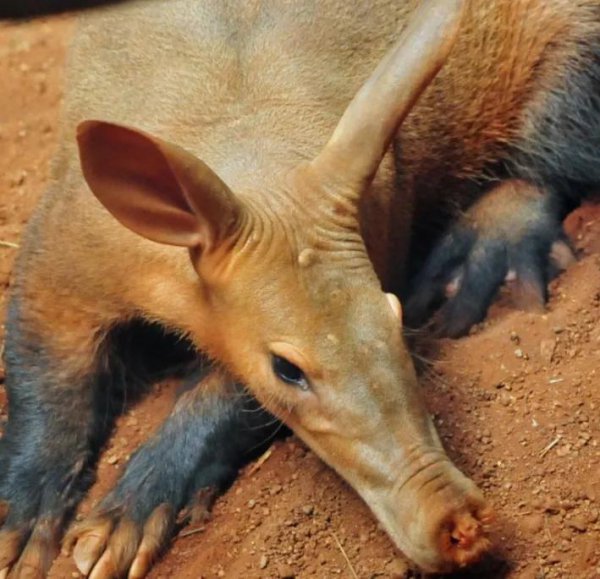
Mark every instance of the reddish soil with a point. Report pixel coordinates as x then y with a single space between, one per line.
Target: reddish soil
517 404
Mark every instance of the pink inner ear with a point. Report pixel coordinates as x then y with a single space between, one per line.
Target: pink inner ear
130 175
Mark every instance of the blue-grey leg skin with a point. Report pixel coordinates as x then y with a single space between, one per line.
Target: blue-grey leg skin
465 270
61 411
214 429
428 291
59 417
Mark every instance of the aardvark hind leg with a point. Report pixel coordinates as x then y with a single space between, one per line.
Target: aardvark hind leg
513 233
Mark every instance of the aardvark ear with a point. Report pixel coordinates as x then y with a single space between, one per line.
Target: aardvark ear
373 117
155 188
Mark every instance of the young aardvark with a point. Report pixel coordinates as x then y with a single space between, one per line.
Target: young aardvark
269 255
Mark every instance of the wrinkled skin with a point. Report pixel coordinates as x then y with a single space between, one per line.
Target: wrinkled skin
259 218
357 402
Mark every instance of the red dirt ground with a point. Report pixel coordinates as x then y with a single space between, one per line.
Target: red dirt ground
517 404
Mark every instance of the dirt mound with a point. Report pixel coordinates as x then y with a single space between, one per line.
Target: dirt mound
516 403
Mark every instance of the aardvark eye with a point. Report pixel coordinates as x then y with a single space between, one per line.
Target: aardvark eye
288 372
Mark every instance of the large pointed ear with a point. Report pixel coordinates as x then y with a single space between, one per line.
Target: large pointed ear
371 120
154 188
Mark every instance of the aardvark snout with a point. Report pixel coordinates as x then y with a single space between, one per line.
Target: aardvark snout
438 517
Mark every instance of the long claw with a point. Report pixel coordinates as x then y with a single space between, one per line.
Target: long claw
562 255
10 547
157 531
120 552
105 568
90 544
39 552
25 570
141 564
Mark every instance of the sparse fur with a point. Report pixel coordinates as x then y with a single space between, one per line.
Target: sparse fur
252 92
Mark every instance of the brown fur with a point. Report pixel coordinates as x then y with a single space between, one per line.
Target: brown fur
462 124
255 90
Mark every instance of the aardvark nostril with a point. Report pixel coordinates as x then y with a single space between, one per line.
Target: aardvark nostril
463 537
445 518
465 532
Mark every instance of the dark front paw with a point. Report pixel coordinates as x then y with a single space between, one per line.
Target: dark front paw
213 429
511 235
36 498
29 537
116 542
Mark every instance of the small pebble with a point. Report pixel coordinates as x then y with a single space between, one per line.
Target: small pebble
398 568
533 523
578 524
547 349
308 509
505 399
